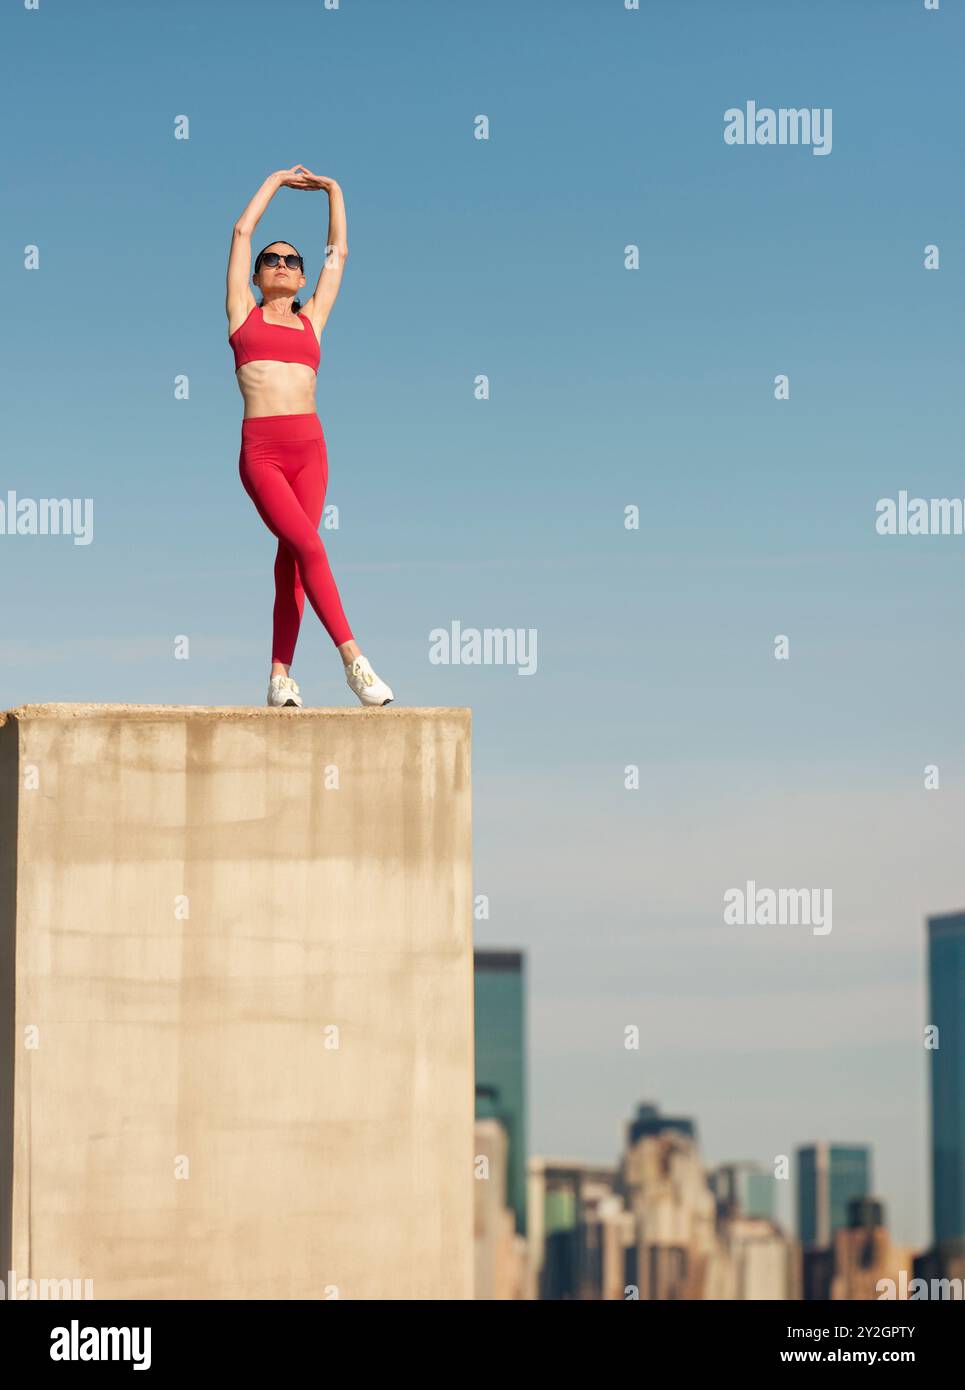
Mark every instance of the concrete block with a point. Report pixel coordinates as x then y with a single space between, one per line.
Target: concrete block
236 1043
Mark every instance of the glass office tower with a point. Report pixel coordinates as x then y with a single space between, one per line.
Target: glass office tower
829 1176
500 1061
744 1189
946 1011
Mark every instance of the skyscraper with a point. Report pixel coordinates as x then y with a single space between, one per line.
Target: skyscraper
648 1122
674 1209
864 1253
501 1061
744 1189
946 1012
828 1177
577 1230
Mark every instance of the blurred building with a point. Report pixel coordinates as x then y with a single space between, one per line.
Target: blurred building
677 1255
648 1123
761 1262
946 1011
937 1269
829 1176
744 1189
817 1272
618 1239
577 1229
500 1028
864 1253
500 1252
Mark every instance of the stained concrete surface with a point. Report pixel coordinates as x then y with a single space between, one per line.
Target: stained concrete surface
236 987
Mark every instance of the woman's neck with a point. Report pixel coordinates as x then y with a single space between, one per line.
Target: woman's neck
280 305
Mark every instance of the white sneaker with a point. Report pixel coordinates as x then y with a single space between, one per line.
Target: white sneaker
366 684
282 691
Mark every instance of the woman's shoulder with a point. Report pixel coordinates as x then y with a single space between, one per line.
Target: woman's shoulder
239 314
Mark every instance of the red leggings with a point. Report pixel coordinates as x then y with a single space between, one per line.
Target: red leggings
284 469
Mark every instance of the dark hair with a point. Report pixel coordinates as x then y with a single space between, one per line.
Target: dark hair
297 303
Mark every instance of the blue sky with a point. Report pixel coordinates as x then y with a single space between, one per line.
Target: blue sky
608 387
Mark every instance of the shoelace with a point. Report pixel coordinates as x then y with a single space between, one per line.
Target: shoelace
361 673
285 683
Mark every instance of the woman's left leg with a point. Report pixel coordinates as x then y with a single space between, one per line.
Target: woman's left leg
310 485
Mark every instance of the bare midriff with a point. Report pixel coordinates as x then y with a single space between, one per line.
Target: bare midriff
277 388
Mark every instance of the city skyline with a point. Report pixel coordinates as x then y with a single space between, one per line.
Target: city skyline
657 1223
797 1212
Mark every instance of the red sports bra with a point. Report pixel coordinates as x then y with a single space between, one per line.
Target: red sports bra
258 341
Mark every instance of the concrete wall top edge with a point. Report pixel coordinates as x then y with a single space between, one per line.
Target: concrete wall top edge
222 712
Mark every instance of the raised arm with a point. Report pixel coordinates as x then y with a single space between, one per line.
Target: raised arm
319 306
239 300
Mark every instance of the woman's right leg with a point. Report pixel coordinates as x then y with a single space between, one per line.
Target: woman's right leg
267 482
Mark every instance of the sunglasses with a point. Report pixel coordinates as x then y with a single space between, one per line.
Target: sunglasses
271 259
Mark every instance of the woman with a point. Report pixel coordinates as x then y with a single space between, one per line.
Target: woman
284 461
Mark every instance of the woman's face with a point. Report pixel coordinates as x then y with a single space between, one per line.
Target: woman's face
279 277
